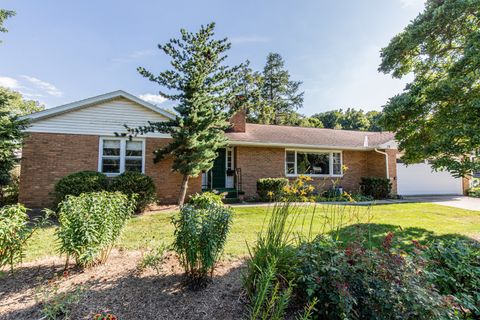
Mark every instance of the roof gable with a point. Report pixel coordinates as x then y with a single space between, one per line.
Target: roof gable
77 105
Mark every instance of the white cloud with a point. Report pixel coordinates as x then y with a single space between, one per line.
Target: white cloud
136 55
44 86
248 39
153 98
10 83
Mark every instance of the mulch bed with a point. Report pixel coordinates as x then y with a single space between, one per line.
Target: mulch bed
118 286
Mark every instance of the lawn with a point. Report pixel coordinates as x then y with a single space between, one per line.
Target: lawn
419 221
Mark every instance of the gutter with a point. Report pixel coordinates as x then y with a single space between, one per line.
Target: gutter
386 161
294 145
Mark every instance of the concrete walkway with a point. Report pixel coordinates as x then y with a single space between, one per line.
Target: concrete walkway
461 202
450 201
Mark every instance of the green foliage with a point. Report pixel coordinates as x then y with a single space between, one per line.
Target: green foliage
300 190
202 87
436 117
200 235
57 305
14 233
335 196
10 191
4 15
130 183
16 104
90 223
376 187
205 199
271 189
153 259
11 135
350 119
454 268
78 183
361 283
474 192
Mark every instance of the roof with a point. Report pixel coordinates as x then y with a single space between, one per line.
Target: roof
51 112
287 136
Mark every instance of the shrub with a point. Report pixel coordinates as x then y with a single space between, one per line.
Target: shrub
78 183
9 193
376 187
14 233
271 189
200 235
55 304
361 283
130 183
205 199
454 267
90 223
153 259
474 192
300 190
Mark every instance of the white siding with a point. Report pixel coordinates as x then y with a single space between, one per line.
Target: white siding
102 119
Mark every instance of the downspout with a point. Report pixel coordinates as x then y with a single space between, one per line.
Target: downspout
386 161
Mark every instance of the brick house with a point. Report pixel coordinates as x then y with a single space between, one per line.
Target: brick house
80 136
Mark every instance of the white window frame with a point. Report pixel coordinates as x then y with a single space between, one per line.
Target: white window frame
330 163
123 148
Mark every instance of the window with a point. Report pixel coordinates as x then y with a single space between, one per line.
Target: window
118 155
313 163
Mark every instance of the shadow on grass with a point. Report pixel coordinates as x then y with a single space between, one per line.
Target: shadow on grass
373 234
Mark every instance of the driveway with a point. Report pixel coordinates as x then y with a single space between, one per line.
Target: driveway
449 201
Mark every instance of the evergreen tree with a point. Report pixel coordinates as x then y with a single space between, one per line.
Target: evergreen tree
278 91
201 86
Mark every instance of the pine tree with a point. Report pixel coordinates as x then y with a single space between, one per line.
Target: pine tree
202 87
280 93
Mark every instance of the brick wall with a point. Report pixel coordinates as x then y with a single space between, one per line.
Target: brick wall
264 162
47 157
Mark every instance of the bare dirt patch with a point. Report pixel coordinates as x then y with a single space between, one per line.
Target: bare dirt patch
119 287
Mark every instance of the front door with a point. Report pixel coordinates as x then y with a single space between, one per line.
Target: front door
218 170
230 169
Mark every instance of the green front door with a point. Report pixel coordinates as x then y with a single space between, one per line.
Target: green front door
219 170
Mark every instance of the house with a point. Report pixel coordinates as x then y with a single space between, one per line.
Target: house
80 136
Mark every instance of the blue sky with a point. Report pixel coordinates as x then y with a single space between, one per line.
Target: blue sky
62 51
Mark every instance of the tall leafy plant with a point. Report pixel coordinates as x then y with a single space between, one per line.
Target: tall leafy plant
15 230
201 85
90 223
200 236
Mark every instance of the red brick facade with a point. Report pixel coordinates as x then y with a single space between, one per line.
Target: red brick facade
266 162
47 157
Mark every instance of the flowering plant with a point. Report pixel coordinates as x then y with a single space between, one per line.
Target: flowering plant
300 190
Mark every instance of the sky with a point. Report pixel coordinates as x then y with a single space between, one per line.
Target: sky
57 52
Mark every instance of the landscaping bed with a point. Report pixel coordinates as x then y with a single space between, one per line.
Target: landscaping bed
119 287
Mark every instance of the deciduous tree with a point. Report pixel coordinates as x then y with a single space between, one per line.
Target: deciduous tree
437 117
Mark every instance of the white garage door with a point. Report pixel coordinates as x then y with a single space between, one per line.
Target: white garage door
419 179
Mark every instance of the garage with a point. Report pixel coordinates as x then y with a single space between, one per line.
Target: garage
420 179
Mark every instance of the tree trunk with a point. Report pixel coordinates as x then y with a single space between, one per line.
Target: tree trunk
183 190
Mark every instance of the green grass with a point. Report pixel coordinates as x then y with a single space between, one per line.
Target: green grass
419 221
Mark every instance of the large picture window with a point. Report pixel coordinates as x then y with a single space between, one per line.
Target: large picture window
118 155
313 163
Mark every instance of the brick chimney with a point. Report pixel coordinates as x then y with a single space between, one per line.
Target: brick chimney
238 121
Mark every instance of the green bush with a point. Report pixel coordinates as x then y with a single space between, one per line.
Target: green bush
454 268
78 183
474 192
200 235
271 189
205 199
376 187
90 223
14 233
130 183
360 283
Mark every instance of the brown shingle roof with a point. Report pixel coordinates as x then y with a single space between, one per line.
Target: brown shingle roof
308 137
